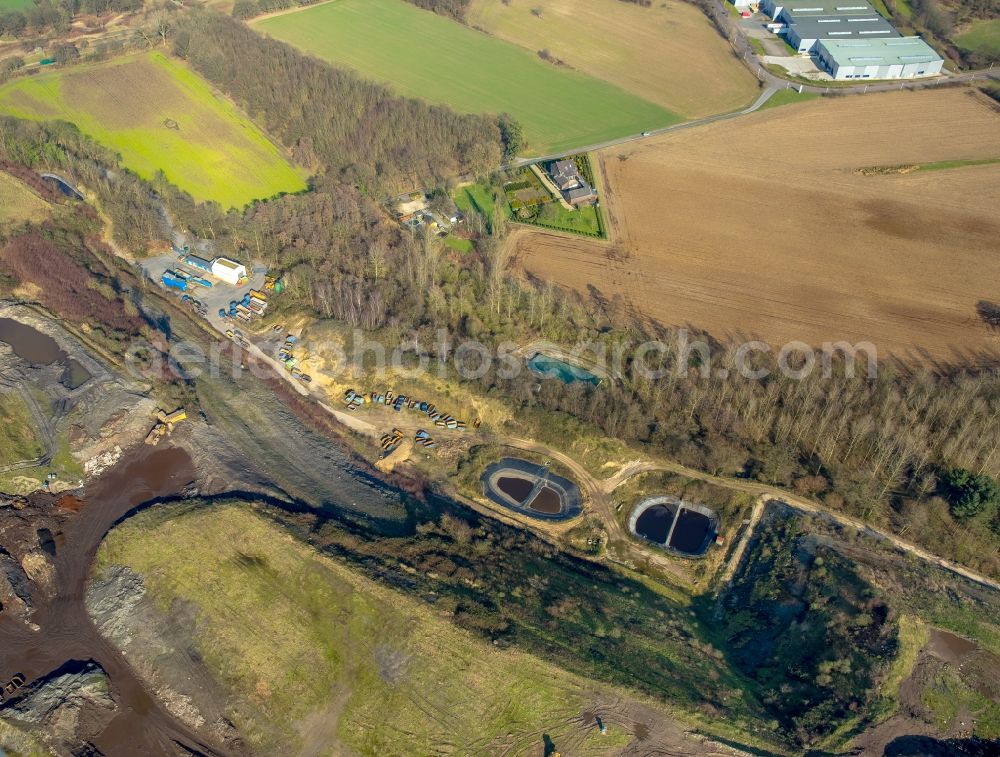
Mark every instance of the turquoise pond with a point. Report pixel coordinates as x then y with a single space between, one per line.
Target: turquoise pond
550 367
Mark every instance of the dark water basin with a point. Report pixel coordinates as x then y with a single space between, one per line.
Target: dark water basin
516 488
75 375
690 532
30 344
654 523
37 348
547 501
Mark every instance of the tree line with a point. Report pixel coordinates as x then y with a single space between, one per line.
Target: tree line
45 16
876 448
333 120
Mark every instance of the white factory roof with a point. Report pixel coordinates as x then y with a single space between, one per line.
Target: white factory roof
896 51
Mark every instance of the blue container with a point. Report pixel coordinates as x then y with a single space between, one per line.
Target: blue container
172 280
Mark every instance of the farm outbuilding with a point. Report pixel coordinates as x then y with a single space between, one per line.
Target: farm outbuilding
229 270
898 58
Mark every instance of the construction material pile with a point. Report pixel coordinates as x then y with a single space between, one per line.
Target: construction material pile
253 305
390 442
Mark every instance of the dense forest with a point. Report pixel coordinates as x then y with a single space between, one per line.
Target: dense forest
355 130
881 448
249 8
124 198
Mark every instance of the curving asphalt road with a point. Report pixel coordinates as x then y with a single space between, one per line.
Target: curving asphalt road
771 83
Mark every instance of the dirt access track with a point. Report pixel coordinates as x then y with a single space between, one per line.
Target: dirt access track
763 227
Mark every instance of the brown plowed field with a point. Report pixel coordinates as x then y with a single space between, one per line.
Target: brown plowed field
762 226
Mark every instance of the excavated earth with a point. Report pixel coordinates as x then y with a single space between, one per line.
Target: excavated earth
47 634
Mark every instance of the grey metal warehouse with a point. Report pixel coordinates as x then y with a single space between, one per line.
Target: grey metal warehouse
805 23
898 58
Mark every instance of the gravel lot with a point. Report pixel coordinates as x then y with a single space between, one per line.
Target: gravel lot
216 297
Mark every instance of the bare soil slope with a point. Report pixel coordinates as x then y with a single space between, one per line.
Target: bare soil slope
763 226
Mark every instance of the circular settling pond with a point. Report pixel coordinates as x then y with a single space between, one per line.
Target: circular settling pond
679 527
531 489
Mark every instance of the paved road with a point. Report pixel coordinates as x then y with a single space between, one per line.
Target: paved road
771 83
764 97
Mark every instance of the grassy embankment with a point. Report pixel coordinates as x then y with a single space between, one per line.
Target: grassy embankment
942 165
18 743
787 96
162 118
424 55
296 638
18 203
18 439
20 442
981 37
948 695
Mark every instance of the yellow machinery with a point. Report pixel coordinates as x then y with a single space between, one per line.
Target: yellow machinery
165 423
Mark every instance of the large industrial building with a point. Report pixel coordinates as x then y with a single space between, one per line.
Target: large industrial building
897 58
849 39
229 271
807 25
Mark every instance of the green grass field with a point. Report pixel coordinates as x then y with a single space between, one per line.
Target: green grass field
160 116
20 441
787 97
459 244
421 54
981 37
15 5
297 639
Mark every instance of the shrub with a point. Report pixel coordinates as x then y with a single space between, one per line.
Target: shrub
969 494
